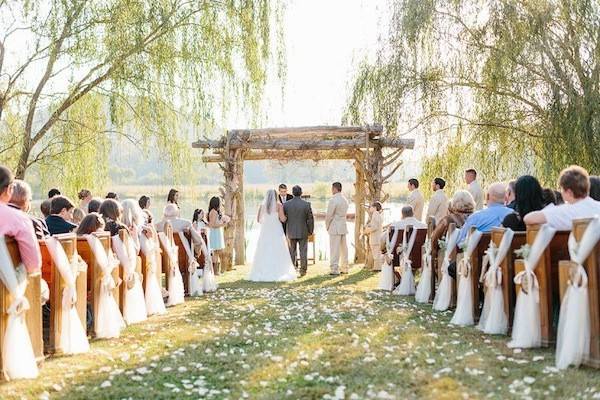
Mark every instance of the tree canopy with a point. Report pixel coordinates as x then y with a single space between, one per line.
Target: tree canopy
76 74
506 86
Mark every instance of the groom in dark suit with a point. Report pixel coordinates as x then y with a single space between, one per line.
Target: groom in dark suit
300 225
283 197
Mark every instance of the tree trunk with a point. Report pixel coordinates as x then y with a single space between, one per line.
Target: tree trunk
240 215
23 158
359 200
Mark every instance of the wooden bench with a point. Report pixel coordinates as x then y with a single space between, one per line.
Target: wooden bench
57 284
547 276
166 261
592 269
33 316
507 266
123 235
476 263
94 274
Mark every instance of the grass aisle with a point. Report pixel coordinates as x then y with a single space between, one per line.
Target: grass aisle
320 337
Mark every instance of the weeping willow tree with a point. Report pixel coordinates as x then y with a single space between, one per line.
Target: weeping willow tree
77 76
505 86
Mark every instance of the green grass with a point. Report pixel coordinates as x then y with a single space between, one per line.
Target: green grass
308 339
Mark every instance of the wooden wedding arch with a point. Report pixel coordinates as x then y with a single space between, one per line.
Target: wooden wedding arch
363 144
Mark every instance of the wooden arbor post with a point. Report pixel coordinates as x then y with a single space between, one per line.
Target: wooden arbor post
359 221
233 199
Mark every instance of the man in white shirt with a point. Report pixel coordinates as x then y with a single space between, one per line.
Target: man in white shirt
438 204
474 188
415 198
574 183
408 218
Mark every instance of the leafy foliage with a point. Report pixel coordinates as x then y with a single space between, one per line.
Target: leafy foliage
504 86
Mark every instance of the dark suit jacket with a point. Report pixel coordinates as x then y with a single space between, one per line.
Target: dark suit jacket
300 221
288 197
57 225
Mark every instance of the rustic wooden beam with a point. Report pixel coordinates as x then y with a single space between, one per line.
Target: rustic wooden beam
308 132
290 144
285 155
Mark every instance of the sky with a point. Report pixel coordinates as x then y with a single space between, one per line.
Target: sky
325 41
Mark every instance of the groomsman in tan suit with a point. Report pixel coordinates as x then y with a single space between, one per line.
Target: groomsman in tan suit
415 198
438 204
474 188
335 222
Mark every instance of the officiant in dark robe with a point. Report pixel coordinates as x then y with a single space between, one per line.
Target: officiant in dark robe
282 198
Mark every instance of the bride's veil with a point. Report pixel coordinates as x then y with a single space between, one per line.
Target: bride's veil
270 203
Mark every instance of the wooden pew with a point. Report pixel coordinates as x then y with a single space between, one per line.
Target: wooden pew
183 259
33 316
547 276
94 274
166 262
508 270
415 255
123 234
592 269
57 284
434 252
476 262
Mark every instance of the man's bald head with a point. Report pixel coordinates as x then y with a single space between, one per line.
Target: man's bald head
496 193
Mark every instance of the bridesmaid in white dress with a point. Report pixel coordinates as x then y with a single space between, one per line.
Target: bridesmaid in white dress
272 262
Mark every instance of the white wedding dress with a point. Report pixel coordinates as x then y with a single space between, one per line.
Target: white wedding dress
272 262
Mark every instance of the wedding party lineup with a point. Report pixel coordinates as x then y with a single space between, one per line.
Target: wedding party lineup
316 199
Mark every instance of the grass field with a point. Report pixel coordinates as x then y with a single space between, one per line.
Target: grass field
320 337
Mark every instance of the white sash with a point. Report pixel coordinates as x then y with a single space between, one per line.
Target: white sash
573 340
443 296
134 309
109 320
176 291
209 282
424 287
527 326
152 293
194 285
463 315
73 338
493 316
389 243
407 282
18 359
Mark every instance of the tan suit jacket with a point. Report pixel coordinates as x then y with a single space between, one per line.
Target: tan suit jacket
438 205
335 220
375 230
416 200
477 194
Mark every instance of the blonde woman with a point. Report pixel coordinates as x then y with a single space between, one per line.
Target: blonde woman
374 228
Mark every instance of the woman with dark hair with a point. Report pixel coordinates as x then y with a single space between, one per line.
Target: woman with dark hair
173 197
595 187
548 197
85 196
112 212
91 223
198 220
529 197
216 222
144 202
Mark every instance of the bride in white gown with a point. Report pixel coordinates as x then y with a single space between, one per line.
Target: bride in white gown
272 262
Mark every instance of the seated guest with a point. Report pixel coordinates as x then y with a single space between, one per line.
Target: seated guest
85 196
438 204
53 192
415 198
574 182
61 215
548 197
45 207
490 217
112 212
21 200
91 223
595 187
509 197
559 198
408 218
461 207
16 224
171 215
529 197
144 202
78 215
112 195
173 197
198 220
94 205
135 220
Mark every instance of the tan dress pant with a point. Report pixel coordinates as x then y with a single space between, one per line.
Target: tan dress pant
338 249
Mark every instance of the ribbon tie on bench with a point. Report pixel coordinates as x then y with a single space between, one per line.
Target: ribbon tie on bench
573 340
444 292
407 282
153 295
175 289
493 317
423 291
463 315
527 326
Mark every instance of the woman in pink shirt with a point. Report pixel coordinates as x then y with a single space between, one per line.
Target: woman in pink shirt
16 224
